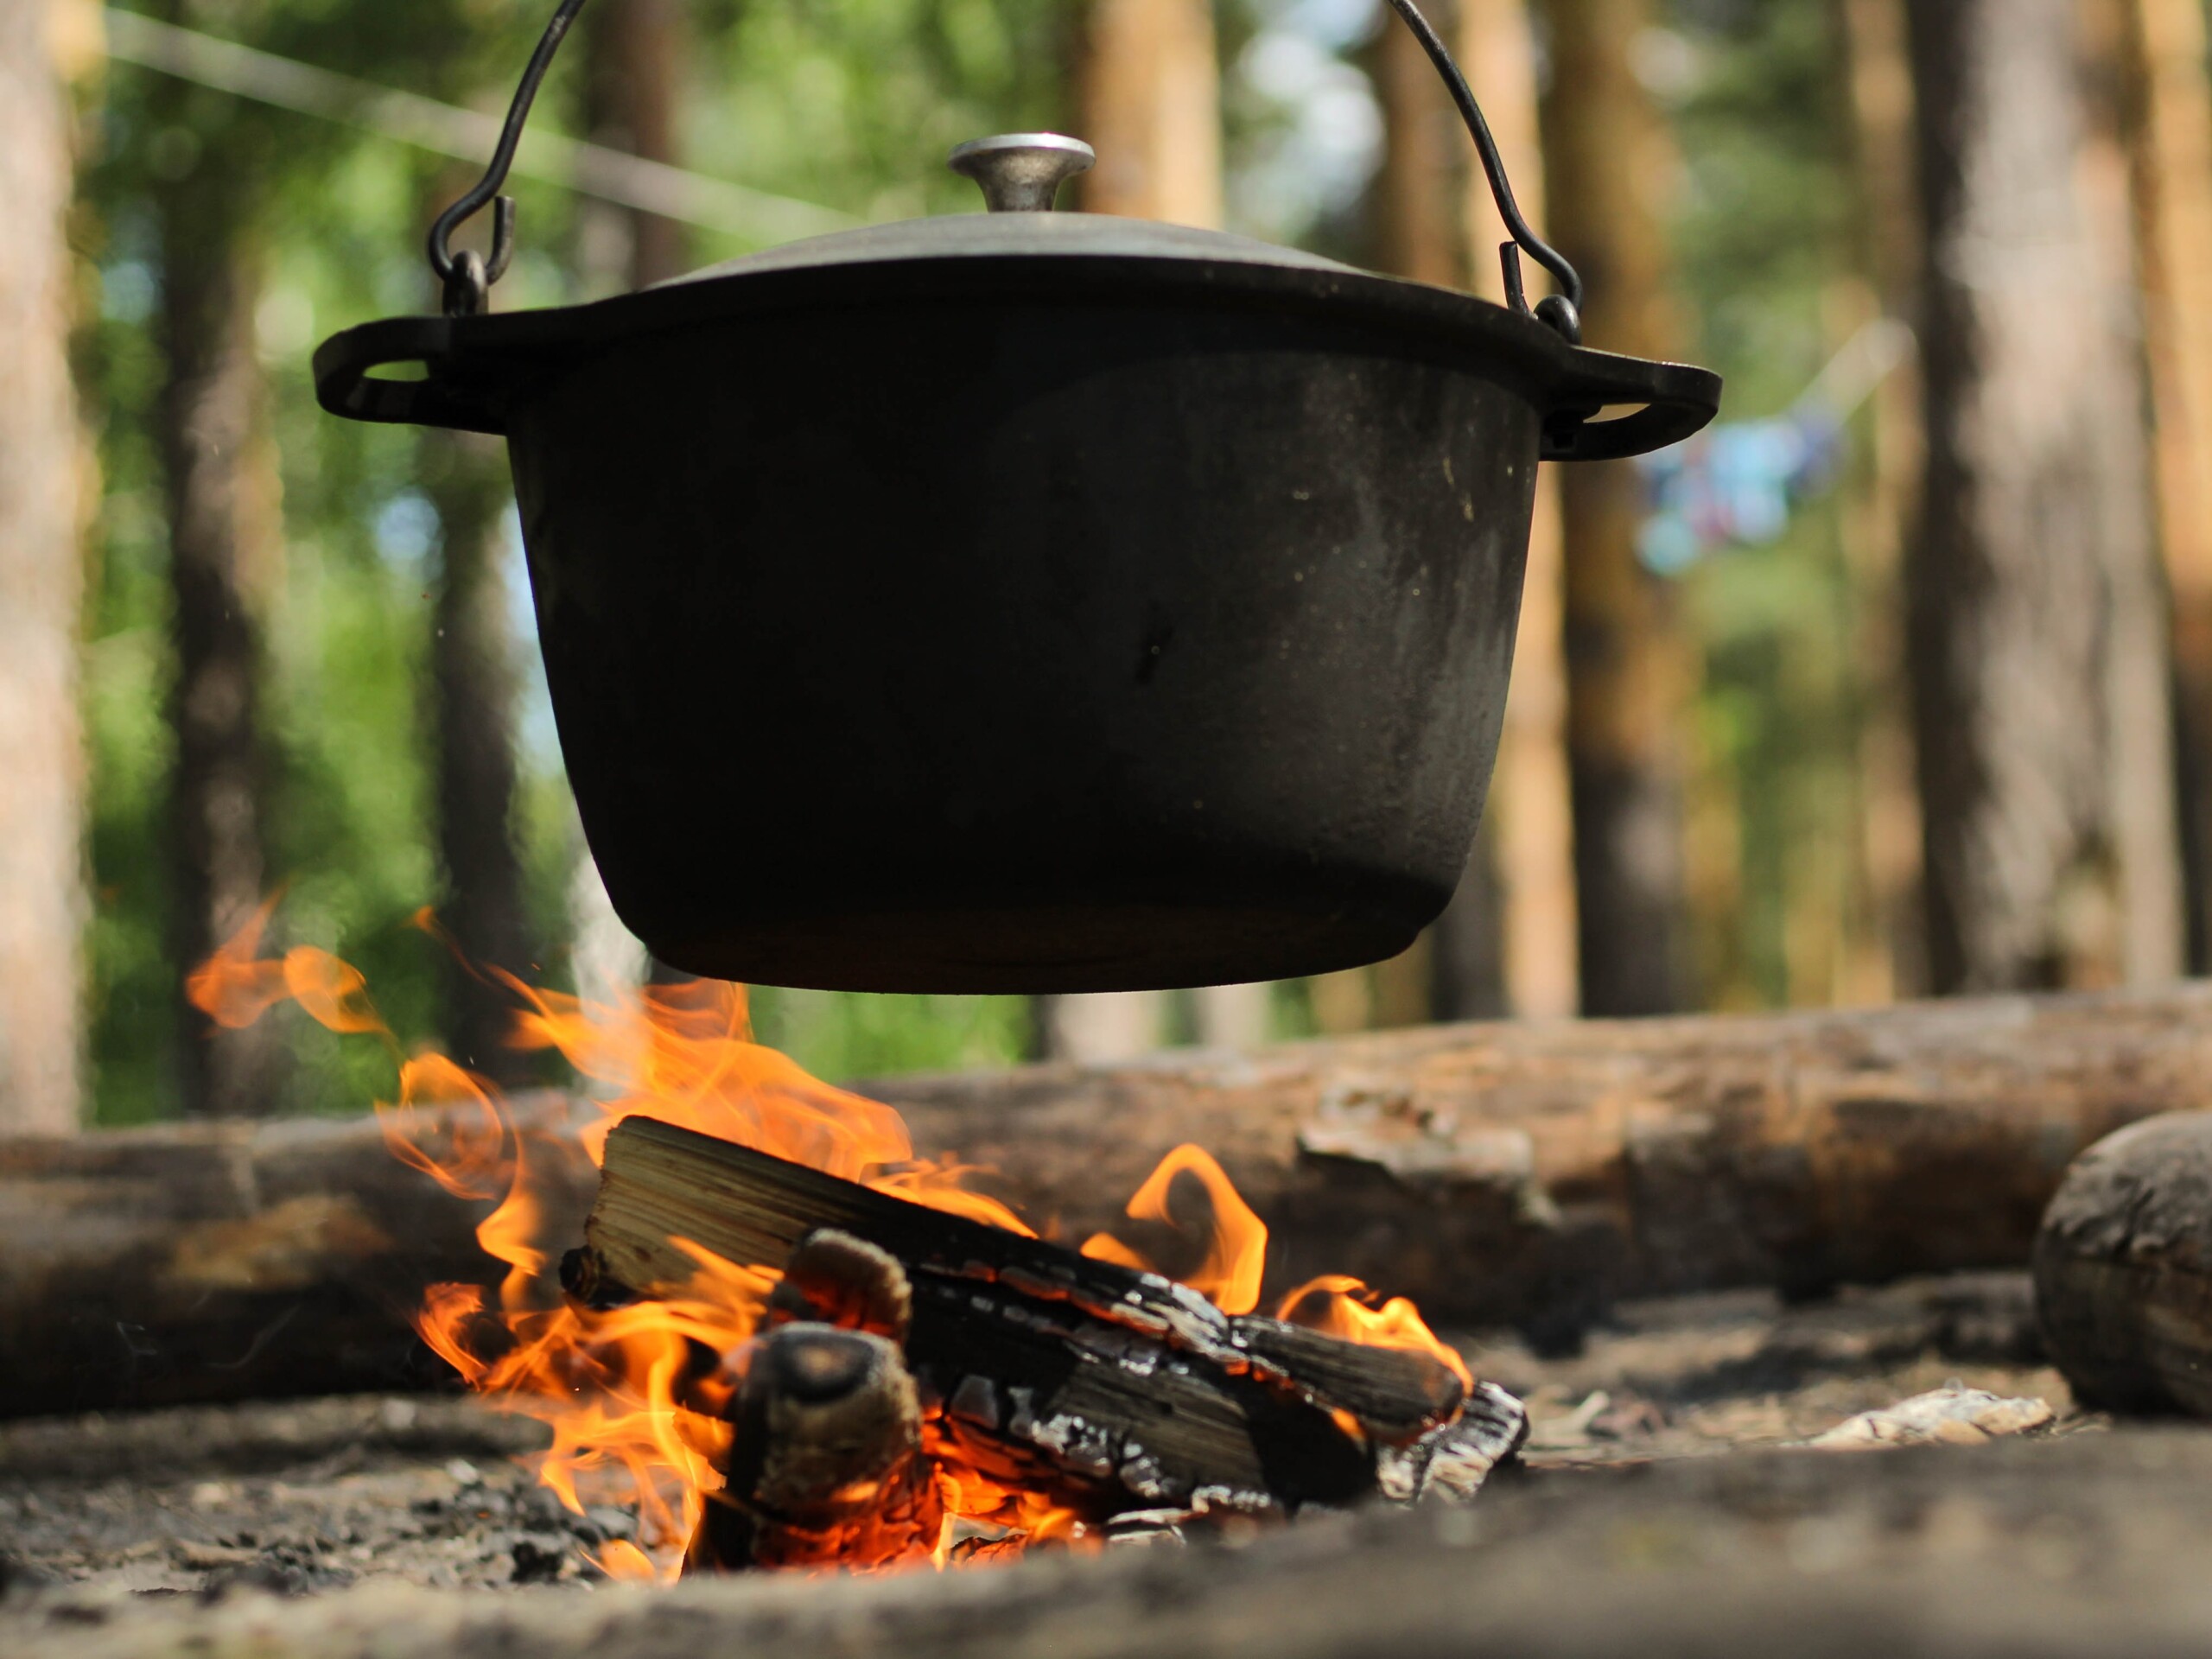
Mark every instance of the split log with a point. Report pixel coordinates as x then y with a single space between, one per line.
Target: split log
1498 1175
2123 1269
1114 1390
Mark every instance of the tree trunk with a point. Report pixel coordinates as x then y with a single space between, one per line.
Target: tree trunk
1416 226
2038 640
2169 108
1416 235
225 544
1151 96
1151 99
633 98
1628 668
42 899
1524 958
633 101
1885 955
472 715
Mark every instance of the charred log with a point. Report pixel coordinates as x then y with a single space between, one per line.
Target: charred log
1117 1388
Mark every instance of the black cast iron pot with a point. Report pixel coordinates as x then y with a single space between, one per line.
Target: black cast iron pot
1024 602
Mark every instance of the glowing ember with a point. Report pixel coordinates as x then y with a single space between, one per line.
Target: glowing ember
635 1417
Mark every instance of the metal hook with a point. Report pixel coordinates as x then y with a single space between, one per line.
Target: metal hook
1563 312
468 276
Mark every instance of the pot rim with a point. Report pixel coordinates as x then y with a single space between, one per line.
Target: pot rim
478 367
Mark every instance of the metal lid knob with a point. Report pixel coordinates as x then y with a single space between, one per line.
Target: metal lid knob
1021 172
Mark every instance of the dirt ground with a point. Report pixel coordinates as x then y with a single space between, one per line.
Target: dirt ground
300 1498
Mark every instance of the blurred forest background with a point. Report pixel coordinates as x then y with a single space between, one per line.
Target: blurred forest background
1900 683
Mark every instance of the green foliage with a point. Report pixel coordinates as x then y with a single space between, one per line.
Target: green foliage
842 1035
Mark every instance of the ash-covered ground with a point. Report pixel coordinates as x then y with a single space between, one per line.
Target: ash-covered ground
301 1497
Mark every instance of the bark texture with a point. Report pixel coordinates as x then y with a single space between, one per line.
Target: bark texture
1497 1174
42 898
2123 1269
1628 671
1531 1175
234 1261
2038 643
473 693
224 551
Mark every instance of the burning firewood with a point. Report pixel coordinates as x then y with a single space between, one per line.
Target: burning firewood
1095 1388
826 1465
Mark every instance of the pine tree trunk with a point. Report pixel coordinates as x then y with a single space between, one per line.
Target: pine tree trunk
1510 941
2038 641
1417 223
1885 959
1417 235
633 98
224 545
473 692
1628 669
42 900
1150 92
2169 107
1151 97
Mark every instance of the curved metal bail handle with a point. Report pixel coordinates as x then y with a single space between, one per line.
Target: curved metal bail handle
468 276
1563 311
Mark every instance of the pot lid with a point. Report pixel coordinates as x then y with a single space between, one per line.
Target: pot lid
1020 174
476 361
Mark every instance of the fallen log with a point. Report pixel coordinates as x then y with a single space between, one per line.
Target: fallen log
1114 1390
238 1261
2123 1270
1498 1175
1531 1175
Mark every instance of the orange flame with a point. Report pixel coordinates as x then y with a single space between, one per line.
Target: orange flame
1235 1240
635 1413
1343 1307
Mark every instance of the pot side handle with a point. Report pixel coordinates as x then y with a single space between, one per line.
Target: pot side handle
1674 401
445 397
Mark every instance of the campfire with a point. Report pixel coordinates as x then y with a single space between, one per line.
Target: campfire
786 1340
